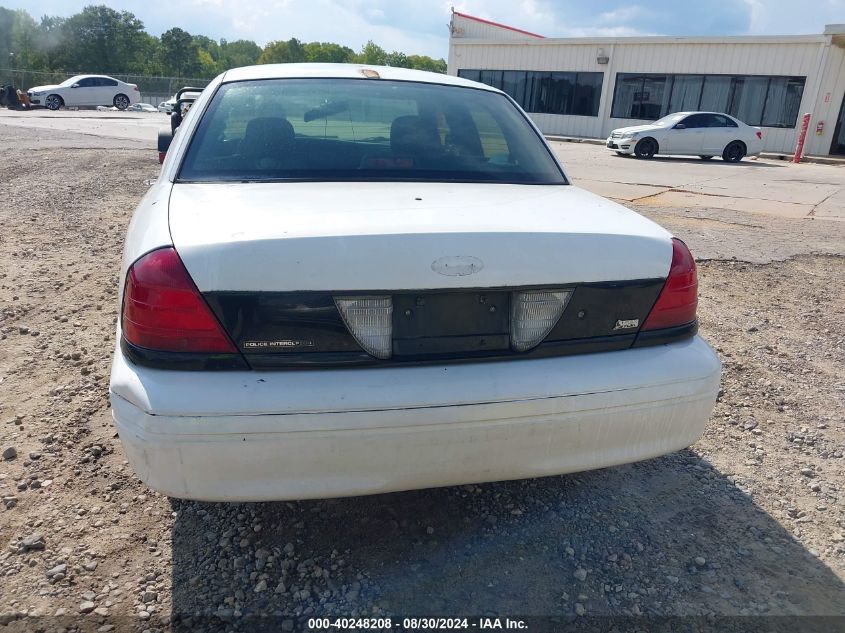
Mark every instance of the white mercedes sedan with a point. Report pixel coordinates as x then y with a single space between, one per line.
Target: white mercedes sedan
351 280
86 91
702 134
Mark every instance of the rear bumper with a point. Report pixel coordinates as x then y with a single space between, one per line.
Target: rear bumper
248 436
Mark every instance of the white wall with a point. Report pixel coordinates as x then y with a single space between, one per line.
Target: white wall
793 56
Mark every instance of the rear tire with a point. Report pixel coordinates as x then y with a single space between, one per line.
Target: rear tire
646 148
53 102
121 102
734 152
705 157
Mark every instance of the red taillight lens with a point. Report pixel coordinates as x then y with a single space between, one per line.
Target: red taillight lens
759 134
163 310
161 157
679 298
136 88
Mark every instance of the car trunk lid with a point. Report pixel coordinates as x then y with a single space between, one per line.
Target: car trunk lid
284 237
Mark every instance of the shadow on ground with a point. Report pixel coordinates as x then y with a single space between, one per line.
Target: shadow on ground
745 162
666 537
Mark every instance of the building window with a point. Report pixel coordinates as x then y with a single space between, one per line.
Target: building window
545 92
783 100
755 100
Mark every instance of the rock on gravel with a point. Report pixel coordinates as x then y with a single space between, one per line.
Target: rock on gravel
10 452
31 542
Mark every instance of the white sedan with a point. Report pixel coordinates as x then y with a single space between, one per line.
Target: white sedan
167 106
142 107
86 91
352 280
703 134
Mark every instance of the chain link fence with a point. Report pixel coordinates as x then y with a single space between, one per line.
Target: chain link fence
154 90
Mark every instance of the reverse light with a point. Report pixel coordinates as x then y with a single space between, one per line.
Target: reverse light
370 321
678 300
533 315
164 311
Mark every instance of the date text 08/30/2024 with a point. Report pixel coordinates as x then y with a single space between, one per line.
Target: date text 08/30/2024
416 624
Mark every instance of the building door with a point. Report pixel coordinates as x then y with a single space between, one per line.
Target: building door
838 145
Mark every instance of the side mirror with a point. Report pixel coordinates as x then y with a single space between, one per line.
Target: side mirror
165 137
680 126
75 86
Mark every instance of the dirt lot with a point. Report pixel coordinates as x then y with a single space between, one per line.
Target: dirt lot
750 521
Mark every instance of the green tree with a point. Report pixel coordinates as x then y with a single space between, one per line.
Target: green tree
7 19
238 53
178 53
328 52
396 59
423 62
100 39
283 52
372 54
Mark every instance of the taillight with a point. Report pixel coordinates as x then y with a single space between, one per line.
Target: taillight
136 88
678 300
161 157
759 134
164 311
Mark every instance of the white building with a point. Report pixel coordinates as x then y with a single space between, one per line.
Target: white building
587 86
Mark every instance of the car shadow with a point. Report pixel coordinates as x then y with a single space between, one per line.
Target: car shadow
667 537
745 162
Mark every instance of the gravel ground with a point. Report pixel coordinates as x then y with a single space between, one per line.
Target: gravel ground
750 521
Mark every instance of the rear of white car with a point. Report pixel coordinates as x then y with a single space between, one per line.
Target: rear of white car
352 280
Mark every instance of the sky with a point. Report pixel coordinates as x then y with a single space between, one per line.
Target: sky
421 26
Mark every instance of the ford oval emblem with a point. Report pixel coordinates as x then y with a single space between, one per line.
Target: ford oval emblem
457 265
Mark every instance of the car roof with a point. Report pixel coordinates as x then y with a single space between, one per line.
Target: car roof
699 112
97 76
346 71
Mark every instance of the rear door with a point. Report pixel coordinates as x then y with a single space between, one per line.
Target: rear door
717 134
107 91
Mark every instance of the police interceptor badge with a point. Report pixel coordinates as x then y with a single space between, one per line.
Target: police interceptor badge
626 324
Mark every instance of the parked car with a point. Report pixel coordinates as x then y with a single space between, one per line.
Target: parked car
703 134
142 107
351 280
186 94
167 106
182 101
86 90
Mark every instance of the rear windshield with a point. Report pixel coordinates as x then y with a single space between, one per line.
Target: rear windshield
364 130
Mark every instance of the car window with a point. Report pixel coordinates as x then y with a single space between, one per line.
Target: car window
696 121
364 129
724 121
668 120
87 82
105 81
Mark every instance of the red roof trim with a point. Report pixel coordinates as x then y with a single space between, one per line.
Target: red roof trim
501 26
